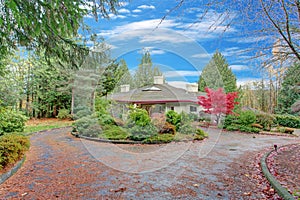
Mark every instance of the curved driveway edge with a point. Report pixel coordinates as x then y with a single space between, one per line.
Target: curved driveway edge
12 171
275 184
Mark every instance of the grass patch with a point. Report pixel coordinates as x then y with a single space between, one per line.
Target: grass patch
35 125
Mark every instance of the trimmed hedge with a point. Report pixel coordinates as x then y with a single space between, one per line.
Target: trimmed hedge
12 148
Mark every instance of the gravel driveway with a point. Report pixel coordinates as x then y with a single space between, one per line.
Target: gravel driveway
225 166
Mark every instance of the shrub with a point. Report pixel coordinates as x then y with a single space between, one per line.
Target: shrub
82 113
139 117
232 127
173 118
11 121
200 134
193 117
248 129
187 129
12 148
247 118
266 120
105 119
287 121
87 126
159 138
140 133
159 120
64 114
115 133
168 129
230 120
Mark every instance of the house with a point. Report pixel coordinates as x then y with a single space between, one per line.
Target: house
160 97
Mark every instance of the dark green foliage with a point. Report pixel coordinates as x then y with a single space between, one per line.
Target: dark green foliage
233 127
82 113
249 129
173 118
159 138
140 133
187 129
266 120
115 133
88 126
11 121
217 74
230 120
289 92
12 148
287 121
106 119
200 134
247 118
64 114
193 117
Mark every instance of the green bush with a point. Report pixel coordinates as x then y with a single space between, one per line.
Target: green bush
159 138
140 133
82 113
105 119
200 134
173 118
287 121
115 133
230 120
11 121
187 129
232 127
139 117
266 120
88 126
193 117
64 114
247 118
12 148
248 129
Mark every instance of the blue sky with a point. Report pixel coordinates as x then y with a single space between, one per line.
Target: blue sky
181 45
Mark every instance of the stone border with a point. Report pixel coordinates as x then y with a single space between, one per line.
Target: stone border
12 171
106 140
275 184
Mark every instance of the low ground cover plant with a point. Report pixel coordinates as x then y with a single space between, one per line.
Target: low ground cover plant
12 148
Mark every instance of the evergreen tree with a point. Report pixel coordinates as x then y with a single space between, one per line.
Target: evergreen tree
289 92
123 75
145 72
217 74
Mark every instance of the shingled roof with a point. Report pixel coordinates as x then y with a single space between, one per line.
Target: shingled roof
157 93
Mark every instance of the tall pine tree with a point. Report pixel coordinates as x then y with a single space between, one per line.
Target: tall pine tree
217 74
289 92
145 72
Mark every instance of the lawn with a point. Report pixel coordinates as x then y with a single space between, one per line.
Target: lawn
35 125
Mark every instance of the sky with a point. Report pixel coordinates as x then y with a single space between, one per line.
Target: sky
181 44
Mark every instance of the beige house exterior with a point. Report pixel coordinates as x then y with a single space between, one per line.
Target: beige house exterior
160 97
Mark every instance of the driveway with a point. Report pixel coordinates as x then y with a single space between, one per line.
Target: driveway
225 166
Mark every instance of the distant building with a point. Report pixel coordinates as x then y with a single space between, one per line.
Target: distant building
160 97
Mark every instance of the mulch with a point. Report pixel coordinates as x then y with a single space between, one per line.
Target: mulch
284 164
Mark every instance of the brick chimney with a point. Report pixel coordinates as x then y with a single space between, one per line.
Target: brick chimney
158 80
125 88
192 87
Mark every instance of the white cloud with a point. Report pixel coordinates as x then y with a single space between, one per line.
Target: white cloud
181 73
123 10
137 11
123 3
244 81
146 7
201 55
178 84
152 51
239 67
113 16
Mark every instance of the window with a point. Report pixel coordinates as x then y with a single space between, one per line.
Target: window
172 107
193 109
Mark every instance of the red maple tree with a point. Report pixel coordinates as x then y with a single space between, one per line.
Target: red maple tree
218 102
